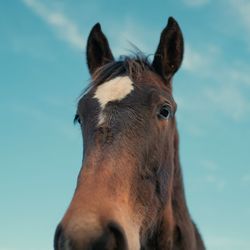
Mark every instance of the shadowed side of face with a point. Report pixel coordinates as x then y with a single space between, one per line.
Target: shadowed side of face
127 121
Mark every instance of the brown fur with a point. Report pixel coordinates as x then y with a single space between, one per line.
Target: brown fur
130 191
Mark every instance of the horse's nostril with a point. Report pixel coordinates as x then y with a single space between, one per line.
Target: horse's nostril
59 238
119 235
112 239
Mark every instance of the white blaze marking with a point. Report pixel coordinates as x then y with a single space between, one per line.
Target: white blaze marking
113 90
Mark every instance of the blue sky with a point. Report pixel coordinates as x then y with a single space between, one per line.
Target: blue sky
43 71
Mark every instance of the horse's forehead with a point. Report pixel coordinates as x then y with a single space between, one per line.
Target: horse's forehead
115 89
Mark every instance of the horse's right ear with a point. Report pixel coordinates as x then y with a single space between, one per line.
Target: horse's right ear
98 51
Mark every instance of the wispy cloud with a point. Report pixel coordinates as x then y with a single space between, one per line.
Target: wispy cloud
66 29
241 76
242 7
196 3
195 61
240 10
246 178
216 181
129 34
227 83
209 165
212 175
229 100
202 61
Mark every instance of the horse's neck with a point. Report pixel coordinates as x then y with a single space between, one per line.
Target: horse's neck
178 232
184 230
175 230
179 205
185 233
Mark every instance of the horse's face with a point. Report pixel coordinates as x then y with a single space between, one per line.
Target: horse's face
128 126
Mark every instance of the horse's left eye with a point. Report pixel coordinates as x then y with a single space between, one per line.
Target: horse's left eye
164 112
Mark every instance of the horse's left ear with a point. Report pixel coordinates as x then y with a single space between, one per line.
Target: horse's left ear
98 51
169 54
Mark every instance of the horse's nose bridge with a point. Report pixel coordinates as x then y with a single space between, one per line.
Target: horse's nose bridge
101 196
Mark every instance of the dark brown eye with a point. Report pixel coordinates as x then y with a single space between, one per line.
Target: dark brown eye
77 119
164 112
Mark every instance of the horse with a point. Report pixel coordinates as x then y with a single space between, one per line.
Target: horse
129 193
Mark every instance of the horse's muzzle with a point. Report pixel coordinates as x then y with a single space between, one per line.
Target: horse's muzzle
112 238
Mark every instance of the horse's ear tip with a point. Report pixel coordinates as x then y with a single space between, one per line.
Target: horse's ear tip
171 21
97 27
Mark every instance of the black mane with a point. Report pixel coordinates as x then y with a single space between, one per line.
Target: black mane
132 66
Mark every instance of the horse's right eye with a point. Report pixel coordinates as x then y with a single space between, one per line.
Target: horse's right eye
77 119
